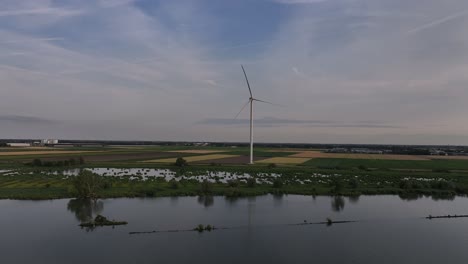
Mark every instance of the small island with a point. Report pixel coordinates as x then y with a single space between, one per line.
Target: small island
100 220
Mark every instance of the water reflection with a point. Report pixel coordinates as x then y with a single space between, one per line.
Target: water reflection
338 203
206 200
85 209
354 199
446 197
277 200
231 201
410 196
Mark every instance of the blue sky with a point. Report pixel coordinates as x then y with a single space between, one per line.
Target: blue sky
346 71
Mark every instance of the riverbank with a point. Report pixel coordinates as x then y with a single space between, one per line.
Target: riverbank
229 181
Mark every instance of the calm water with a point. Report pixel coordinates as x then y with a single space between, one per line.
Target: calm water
390 230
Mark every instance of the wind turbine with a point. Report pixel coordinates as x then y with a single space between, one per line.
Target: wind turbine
251 101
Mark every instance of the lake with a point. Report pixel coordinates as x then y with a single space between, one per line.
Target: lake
261 229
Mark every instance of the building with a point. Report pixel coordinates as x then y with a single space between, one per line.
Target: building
49 141
18 145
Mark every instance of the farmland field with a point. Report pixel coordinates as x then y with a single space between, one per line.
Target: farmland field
299 172
285 160
41 152
318 154
389 164
194 158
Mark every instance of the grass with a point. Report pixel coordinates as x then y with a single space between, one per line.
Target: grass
350 182
389 164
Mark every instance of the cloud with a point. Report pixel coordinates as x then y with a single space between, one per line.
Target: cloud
299 1
438 22
155 68
45 11
272 121
26 119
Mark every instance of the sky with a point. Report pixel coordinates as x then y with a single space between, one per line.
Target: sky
339 71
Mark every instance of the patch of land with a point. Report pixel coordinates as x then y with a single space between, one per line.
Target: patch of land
197 151
42 152
318 154
284 160
231 160
211 157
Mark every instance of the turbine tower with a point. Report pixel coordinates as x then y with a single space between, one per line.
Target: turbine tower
251 100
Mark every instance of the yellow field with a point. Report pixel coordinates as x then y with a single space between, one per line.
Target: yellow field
284 160
24 153
194 158
317 154
197 151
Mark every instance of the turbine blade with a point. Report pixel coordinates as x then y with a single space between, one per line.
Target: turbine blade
241 110
266 102
247 80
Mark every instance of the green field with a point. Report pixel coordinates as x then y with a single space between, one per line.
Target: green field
389 164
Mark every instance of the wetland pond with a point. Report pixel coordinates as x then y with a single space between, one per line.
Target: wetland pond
263 229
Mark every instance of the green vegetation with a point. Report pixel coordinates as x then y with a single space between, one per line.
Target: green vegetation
33 178
365 164
88 184
180 162
200 228
102 221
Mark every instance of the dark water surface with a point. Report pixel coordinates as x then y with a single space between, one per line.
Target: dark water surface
390 230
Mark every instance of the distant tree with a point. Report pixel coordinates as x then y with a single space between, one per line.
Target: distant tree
72 162
81 161
87 184
37 162
181 162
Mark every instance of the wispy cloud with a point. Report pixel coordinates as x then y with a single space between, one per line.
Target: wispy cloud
26 119
271 121
49 11
299 1
438 22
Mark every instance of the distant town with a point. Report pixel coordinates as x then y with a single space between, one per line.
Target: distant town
435 150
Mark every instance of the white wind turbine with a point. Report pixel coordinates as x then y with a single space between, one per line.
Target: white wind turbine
251 100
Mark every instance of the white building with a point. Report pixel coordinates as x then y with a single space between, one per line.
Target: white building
18 145
49 141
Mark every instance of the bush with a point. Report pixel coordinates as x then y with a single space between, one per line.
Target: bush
173 184
272 165
180 162
206 187
354 183
336 184
251 182
362 167
81 161
37 162
233 183
277 183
